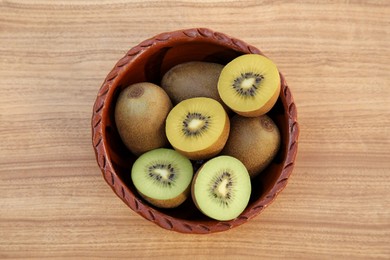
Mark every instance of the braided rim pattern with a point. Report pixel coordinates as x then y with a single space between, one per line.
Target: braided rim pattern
137 205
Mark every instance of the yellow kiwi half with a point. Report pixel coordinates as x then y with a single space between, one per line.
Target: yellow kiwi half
198 127
249 85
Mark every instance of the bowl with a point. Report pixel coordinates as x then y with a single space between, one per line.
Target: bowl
148 61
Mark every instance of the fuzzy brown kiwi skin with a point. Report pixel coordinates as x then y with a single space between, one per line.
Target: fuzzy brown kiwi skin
193 79
255 141
143 130
170 203
212 150
193 189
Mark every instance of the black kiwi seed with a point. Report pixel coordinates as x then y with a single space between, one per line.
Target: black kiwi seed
153 172
223 199
195 132
248 92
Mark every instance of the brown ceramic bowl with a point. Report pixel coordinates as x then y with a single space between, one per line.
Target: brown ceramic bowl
148 61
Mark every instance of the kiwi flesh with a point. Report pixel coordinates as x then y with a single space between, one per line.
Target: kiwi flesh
198 127
249 85
221 188
192 79
254 141
163 177
140 113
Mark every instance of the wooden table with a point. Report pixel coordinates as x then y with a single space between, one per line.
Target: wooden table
54 55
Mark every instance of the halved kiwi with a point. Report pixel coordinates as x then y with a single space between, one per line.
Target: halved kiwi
198 127
221 188
162 177
249 85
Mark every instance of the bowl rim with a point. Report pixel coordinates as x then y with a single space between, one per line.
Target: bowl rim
126 195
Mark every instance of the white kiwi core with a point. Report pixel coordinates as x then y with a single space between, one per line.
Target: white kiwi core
196 124
222 190
248 83
163 173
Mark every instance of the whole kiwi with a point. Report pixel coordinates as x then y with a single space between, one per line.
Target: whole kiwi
254 141
140 113
192 79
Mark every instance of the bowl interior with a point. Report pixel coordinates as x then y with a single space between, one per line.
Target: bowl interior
150 65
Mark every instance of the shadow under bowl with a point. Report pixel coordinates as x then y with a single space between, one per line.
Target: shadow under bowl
149 61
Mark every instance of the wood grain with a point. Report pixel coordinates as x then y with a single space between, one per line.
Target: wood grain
54 55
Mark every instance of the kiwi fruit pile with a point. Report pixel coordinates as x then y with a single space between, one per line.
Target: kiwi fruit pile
202 112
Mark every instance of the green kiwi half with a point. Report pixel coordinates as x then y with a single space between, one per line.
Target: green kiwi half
162 177
221 188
